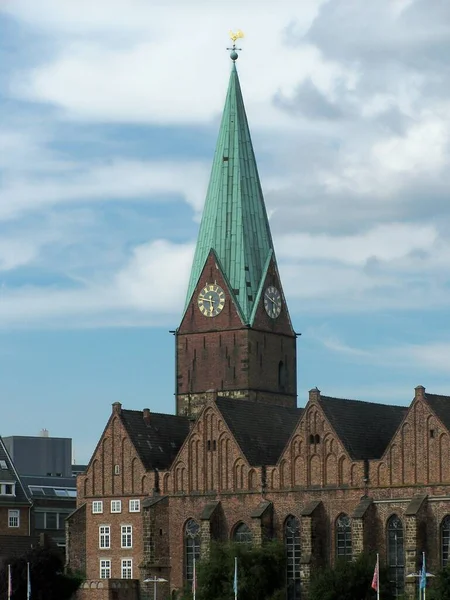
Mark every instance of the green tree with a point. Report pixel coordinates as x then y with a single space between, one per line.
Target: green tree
261 573
350 580
48 580
440 585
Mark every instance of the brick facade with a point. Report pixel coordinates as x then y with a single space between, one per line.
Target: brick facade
227 356
315 482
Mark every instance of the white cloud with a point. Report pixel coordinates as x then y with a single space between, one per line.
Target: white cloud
148 289
116 180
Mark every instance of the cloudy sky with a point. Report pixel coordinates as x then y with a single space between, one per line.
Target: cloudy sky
109 112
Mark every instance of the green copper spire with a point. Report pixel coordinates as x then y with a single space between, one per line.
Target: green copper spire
234 222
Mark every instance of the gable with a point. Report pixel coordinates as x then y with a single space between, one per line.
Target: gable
261 430
365 428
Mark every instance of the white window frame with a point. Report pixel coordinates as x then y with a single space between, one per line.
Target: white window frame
127 568
134 505
116 506
104 537
105 568
126 536
4 487
97 507
13 518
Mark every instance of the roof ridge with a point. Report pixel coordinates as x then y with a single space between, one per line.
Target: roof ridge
137 411
363 401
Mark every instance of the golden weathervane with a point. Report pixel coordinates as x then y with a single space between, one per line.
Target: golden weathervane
236 36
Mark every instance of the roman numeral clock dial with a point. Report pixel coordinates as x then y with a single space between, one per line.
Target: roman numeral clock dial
272 302
211 300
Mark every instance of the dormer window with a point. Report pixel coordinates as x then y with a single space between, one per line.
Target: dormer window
3 465
7 489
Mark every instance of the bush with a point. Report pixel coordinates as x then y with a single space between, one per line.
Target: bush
48 581
261 573
350 580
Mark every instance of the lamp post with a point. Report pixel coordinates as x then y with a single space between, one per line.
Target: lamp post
418 576
155 580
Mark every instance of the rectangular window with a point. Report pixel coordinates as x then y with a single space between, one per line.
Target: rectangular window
116 506
105 569
51 520
104 536
39 520
97 507
127 568
135 505
7 489
13 518
127 536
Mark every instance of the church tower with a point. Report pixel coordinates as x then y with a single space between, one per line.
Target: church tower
235 338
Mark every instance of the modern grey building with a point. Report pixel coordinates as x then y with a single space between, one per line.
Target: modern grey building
42 455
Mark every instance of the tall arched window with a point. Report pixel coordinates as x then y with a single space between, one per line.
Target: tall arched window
344 537
396 553
292 545
191 548
242 534
445 540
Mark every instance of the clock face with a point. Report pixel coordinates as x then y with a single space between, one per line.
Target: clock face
211 300
272 302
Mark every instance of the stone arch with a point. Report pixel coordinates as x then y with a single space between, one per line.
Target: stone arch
315 470
252 480
354 476
343 470
166 482
382 474
331 470
395 465
224 444
284 474
444 453
239 474
300 470
408 459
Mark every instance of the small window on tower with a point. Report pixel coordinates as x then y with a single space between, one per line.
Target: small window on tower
431 433
214 445
208 445
317 439
311 439
116 470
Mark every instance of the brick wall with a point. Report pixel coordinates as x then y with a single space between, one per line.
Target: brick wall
76 541
108 589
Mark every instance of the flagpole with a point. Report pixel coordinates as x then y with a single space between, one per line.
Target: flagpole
378 569
425 576
235 579
194 583
28 582
9 583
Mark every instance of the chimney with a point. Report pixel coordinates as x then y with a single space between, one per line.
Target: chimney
419 392
116 408
314 394
146 416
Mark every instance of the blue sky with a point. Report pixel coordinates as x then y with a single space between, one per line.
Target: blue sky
109 113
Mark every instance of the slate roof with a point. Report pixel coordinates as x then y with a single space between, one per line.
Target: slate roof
440 405
10 475
365 428
159 441
234 222
261 430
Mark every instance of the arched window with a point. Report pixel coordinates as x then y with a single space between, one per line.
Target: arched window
292 545
396 553
344 537
191 548
242 534
445 541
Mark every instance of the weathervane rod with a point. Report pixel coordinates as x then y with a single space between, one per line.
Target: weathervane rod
233 50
